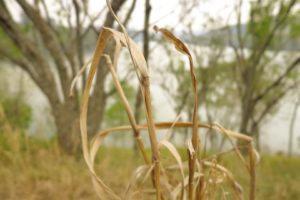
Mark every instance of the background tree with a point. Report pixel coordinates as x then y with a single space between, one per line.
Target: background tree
139 99
261 82
51 52
264 66
14 106
292 126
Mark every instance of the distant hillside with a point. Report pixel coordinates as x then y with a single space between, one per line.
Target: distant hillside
222 35
219 36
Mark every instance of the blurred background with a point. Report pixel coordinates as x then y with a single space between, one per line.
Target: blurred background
247 62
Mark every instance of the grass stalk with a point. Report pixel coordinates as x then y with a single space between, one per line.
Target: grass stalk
195 137
128 110
181 47
252 163
142 74
152 136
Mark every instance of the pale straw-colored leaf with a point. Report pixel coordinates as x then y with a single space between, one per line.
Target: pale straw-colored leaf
190 148
237 151
257 156
168 134
140 171
181 47
176 155
127 107
140 63
101 44
76 78
236 188
178 188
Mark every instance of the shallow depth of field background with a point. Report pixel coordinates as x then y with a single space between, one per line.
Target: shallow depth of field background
247 62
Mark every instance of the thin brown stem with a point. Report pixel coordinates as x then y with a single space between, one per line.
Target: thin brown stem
252 164
128 109
152 135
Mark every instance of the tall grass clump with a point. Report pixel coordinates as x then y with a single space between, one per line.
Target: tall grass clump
206 178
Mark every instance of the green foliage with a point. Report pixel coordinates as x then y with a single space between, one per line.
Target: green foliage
264 18
219 92
115 113
9 46
17 113
282 172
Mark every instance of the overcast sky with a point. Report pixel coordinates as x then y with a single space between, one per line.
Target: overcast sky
166 13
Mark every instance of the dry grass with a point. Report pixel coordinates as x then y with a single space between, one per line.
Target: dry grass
35 170
206 179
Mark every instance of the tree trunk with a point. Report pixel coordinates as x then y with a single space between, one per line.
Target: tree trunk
247 113
254 130
66 118
291 128
245 126
139 97
98 99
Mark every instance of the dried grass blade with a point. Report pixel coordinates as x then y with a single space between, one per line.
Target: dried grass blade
167 125
168 134
141 66
74 81
252 163
181 47
177 157
137 57
136 62
127 108
237 151
144 169
237 189
178 188
103 38
166 188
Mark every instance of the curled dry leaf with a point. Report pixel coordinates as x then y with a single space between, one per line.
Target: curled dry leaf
168 35
181 47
